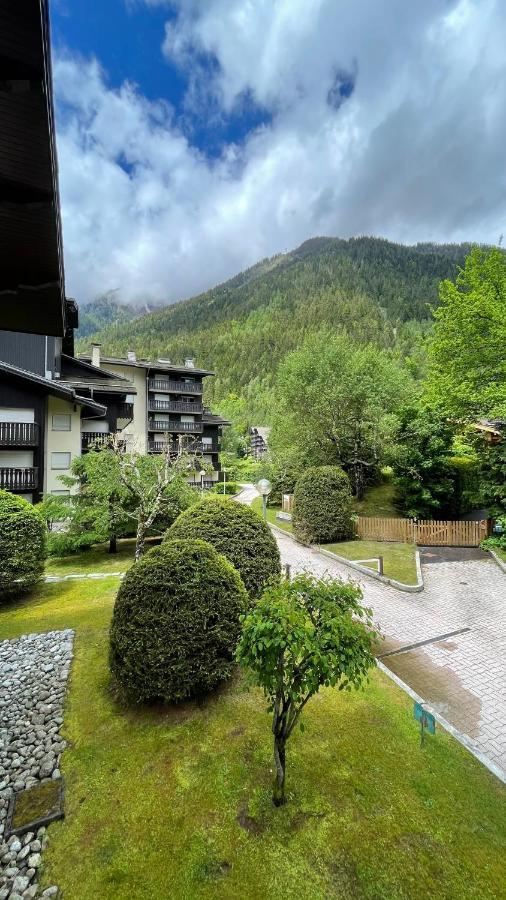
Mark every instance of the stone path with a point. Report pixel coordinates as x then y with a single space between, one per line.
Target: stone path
463 675
33 674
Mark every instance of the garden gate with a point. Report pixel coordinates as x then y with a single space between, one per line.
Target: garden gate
431 533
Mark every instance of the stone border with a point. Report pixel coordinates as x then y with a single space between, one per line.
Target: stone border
455 733
498 560
399 585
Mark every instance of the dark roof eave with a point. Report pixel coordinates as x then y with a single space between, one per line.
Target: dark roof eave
150 365
52 388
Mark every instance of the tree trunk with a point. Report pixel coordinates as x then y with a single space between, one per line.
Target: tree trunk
113 543
278 794
140 540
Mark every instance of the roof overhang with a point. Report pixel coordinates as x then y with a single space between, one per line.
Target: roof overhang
32 290
44 386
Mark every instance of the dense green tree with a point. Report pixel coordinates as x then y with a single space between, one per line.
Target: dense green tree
421 461
322 506
300 636
467 350
22 545
337 403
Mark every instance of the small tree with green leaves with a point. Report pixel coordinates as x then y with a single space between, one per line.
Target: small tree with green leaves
300 636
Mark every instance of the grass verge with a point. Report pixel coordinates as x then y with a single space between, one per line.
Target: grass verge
399 560
97 559
175 801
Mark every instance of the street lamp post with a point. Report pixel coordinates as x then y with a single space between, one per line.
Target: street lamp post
224 481
202 474
264 487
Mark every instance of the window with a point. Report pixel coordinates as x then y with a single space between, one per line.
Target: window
207 442
61 422
61 493
60 460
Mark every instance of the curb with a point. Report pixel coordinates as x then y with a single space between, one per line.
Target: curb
498 560
55 579
461 738
399 585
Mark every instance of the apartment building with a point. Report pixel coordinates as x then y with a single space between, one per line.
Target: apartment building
167 405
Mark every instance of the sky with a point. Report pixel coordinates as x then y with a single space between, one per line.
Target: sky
196 137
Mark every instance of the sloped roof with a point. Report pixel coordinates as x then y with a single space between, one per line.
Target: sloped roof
32 290
38 384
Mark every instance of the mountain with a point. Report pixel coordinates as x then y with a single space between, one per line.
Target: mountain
377 291
105 311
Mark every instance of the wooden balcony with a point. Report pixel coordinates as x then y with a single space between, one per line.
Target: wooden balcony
161 446
179 406
180 387
19 434
125 411
175 426
13 479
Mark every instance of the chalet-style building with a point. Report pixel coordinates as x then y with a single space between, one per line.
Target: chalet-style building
258 437
167 405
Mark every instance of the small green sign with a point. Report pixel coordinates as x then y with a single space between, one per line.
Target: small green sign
426 719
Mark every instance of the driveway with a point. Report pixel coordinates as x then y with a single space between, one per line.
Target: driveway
460 621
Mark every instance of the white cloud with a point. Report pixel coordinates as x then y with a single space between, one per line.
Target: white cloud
416 152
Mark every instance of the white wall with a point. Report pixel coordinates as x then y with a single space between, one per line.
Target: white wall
136 430
61 441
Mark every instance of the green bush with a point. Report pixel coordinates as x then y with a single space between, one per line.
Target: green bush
175 624
231 488
322 506
22 545
65 543
236 531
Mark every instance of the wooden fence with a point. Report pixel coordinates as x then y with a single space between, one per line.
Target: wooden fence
424 532
287 502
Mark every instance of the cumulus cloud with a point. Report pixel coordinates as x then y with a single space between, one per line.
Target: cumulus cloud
380 118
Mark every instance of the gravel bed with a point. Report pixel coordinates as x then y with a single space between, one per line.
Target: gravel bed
33 674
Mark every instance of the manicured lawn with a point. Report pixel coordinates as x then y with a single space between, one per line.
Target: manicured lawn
175 802
501 553
271 515
378 501
98 559
399 560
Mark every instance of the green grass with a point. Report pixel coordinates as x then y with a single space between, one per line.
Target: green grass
97 559
501 553
175 801
378 501
399 560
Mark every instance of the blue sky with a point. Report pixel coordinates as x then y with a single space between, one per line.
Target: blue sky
196 137
127 39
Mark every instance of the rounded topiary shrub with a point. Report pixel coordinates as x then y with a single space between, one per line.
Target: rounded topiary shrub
22 545
322 506
175 624
236 531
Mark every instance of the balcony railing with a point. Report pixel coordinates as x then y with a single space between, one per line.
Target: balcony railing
161 446
95 437
125 410
180 406
19 434
181 387
174 426
13 479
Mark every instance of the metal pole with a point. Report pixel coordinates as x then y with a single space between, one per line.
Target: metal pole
380 565
224 480
264 504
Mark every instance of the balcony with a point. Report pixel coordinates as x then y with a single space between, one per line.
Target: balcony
125 411
161 446
19 434
13 479
180 387
179 406
175 427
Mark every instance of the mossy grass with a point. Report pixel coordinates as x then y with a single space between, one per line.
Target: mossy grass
97 559
37 805
175 800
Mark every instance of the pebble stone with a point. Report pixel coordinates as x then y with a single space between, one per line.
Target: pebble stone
33 673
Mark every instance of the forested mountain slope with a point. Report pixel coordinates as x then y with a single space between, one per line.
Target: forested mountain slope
104 311
376 291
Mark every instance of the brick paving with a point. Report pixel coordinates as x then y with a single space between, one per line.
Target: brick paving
463 676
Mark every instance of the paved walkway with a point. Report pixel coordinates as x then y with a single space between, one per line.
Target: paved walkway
461 614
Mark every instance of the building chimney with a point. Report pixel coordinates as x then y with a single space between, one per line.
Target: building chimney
189 363
131 356
95 355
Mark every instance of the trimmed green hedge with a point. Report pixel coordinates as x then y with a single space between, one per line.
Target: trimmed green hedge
231 488
22 545
237 532
175 624
322 506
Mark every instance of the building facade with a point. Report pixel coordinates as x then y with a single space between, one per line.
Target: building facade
167 407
